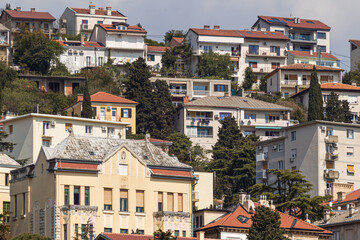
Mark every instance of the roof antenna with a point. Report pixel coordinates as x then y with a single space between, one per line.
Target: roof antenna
291 15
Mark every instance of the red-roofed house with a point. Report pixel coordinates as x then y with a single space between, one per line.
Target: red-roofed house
154 55
82 20
354 54
176 42
108 107
305 34
325 59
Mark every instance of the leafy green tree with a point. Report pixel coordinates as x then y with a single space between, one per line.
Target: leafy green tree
59 70
181 146
333 109
263 84
7 6
4 230
139 89
29 236
164 111
249 78
151 42
35 51
86 231
106 78
214 65
87 111
297 113
347 78
173 33
168 60
290 193
4 146
347 112
315 111
7 76
161 235
173 56
266 225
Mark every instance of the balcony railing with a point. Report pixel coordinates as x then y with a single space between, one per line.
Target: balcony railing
266 53
201 136
195 119
200 92
178 91
331 139
261 157
334 156
302 38
290 82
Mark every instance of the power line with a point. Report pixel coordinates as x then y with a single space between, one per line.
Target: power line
339 54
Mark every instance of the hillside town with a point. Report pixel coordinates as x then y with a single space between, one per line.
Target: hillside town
210 133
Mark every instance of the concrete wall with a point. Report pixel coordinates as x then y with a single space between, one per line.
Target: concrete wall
204 188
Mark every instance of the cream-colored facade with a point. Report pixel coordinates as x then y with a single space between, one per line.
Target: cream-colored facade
31 131
326 153
122 185
203 194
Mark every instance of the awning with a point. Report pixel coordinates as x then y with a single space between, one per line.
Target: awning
267 127
350 169
199 126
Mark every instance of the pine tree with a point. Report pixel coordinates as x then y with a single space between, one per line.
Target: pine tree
347 112
139 89
316 111
249 78
333 109
266 225
347 78
181 146
164 111
263 84
87 111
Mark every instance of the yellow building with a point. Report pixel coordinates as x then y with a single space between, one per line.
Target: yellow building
115 185
108 107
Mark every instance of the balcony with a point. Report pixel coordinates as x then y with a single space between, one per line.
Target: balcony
262 174
200 136
302 38
263 122
289 83
262 70
331 139
200 92
262 157
334 156
281 54
178 91
195 196
331 174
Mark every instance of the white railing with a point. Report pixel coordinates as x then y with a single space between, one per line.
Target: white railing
201 92
178 91
261 157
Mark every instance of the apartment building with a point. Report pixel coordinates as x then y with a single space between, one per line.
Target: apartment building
199 119
4 43
314 58
203 191
291 79
346 92
260 50
31 131
82 20
82 54
124 43
354 54
305 34
324 152
116 185
184 89
108 107
154 55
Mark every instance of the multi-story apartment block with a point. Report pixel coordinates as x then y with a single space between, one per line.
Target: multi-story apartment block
154 55
31 131
184 89
354 54
346 92
124 43
324 152
82 54
199 119
304 34
293 78
260 50
82 20
115 185
108 107
4 43
325 59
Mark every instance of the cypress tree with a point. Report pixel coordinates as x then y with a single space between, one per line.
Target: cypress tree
87 111
316 111
347 113
249 78
333 109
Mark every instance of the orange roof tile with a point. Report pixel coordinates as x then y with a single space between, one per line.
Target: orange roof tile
213 32
122 236
178 39
30 15
112 28
166 172
157 48
240 33
97 12
351 197
356 42
106 97
338 86
306 66
314 54
84 44
304 23
263 34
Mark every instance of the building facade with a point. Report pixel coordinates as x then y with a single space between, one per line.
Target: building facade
108 107
354 54
324 152
4 43
154 55
113 185
324 59
203 192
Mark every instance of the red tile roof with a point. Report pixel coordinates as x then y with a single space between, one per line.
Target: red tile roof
304 23
106 97
97 12
338 86
303 66
287 221
121 236
84 44
166 172
240 33
263 34
178 39
213 32
78 166
30 15
154 140
351 197
157 49
356 42
314 54
112 28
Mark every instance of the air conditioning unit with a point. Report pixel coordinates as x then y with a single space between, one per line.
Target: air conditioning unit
275 147
293 155
108 108
260 147
53 123
323 128
103 128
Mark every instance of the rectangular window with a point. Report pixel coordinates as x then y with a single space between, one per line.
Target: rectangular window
293 153
6 211
281 147
329 148
322 48
350 151
170 202
46 125
111 131
65 231
125 231
350 134
108 230
184 233
250 116
126 112
11 129
123 169
220 88
76 195
100 22
140 232
83 231
180 202
67 126
224 115
6 179
140 201
91 231
23 203
88 129
45 142
280 165
84 21
293 168
275 65
88 61
151 57
100 61
253 64
160 201
254 49
329 165
293 136
15 205
123 200
87 196
76 232
66 195
321 35
107 199
176 233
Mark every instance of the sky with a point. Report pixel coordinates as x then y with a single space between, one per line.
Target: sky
159 16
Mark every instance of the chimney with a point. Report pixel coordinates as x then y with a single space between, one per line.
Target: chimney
108 11
226 94
101 8
326 215
186 99
80 97
354 84
147 137
248 205
18 9
272 206
206 26
92 9
216 27
200 235
351 209
263 201
82 38
32 9
307 218
242 197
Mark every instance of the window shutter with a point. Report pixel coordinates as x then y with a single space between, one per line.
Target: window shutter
170 202
139 198
122 112
226 88
180 202
160 197
107 196
215 87
123 193
130 112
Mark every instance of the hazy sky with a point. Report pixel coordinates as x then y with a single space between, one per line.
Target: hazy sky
159 16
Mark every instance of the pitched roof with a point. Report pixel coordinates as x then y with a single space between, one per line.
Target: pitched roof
122 236
107 97
5 160
288 222
213 32
166 172
356 42
81 44
263 34
97 12
331 87
340 217
157 48
290 22
350 197
314 54
235 102
178 39
30 15
306 66
240 33
130 28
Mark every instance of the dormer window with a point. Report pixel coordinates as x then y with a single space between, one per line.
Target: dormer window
120 27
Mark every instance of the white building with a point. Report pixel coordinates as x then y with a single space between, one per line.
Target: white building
326 153
354 54
123 43
260 50
325 59
4 43
154 55
82 20
81 54
31 131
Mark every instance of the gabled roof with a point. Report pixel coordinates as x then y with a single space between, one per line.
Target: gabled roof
130 28
6 161
306 66
122 236
97 12
332 87
263 34
313 55
30 15
157 48
81 44
240 33
107 98
290 22
340 218
350 197
356 42
178 40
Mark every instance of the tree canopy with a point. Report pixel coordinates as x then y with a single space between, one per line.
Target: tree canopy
173 33
161 235
316 109
86 111
337 110
249 79
214 65
29 236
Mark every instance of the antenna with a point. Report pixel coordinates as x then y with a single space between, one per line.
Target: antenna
291 15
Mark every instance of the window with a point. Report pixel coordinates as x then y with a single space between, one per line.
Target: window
113 114
250 116
275 65
280 164
336 236
87 196
140 232
322 48
88 129
350 151
100 61
76 195
293 153
123 200
281 147
350 134
11 129
108 230
23 203
107 199
111 131
329 148
207 48
88 61
6 211
293 136
253 64
6 179
45 142
46 125
176 233
126 231
65 231
123 169
126 113
84 21
66 195
100 22
321 35
352 99
198 222
329 131
54 86
184 233
83 230
76 231
151 57
180 202
254 49
247 133
329 165
220 88
293 168
160 201
224 115
139 201
170 202
15 205
102 113
350 169
67 126
326 98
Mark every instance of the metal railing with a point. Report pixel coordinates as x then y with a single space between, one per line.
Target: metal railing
200 136
178 91
301 37
200 92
